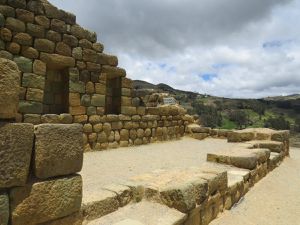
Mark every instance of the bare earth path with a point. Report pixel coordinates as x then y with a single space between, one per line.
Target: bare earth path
116 166
275 200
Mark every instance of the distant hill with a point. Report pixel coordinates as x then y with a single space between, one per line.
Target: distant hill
259 112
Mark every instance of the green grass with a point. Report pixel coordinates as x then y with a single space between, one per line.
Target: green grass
227 124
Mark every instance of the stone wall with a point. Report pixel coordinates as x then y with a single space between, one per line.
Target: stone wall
66 78
38 180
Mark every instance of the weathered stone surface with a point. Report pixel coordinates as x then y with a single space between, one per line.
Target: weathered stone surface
33 81
46 200
58 26
32 118
29 52
53 36
35 30
16 141
240 157
9 86
126 110
113 72
34 94
74 219
24 64
29 107
98 100
13 48
70 40
63 49
100 204
143 213
44 45
58 150
55 61
5 34
105 59
25 16
17 3
15 24
7 11
4 209
42 21
241 136
39 67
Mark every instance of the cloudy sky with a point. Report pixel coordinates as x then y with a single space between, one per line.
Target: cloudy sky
230 48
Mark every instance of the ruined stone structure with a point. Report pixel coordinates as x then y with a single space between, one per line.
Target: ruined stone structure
56 84
66 78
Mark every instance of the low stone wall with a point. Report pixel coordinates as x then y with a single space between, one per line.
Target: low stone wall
113 131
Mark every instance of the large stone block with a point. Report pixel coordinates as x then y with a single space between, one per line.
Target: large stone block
55 61
16 141
9 86
58 149
46 200
4 209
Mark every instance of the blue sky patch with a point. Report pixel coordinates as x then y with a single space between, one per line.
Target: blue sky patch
208 76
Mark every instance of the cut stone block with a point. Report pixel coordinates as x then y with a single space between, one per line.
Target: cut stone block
4 209
129 222
74 219
16 141
240 157
99 204
9 86
273 146
241 136
179 189
141 214
58 149
46 200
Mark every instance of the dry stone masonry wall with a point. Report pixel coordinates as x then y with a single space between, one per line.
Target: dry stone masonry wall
67 78
38 180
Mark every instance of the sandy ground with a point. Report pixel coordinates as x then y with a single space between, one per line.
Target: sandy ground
275 200
116 166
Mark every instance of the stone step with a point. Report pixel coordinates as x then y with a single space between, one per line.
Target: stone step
142 213
105 200
273 146
240 157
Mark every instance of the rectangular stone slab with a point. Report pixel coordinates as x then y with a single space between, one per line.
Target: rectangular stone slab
58 150
240 157
143 213
44 201
179 189
16 141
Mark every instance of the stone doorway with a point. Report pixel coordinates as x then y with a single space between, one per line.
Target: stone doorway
56 92
113 96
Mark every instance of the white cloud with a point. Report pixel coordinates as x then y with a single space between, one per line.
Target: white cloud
196 37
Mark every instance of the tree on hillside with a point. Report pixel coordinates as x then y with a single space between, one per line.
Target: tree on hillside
210 116
240 117
297 124
278 123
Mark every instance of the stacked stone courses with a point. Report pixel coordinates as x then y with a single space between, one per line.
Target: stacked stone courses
38 180
56 55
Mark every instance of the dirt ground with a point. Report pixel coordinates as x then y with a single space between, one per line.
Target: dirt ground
116 166
275 200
